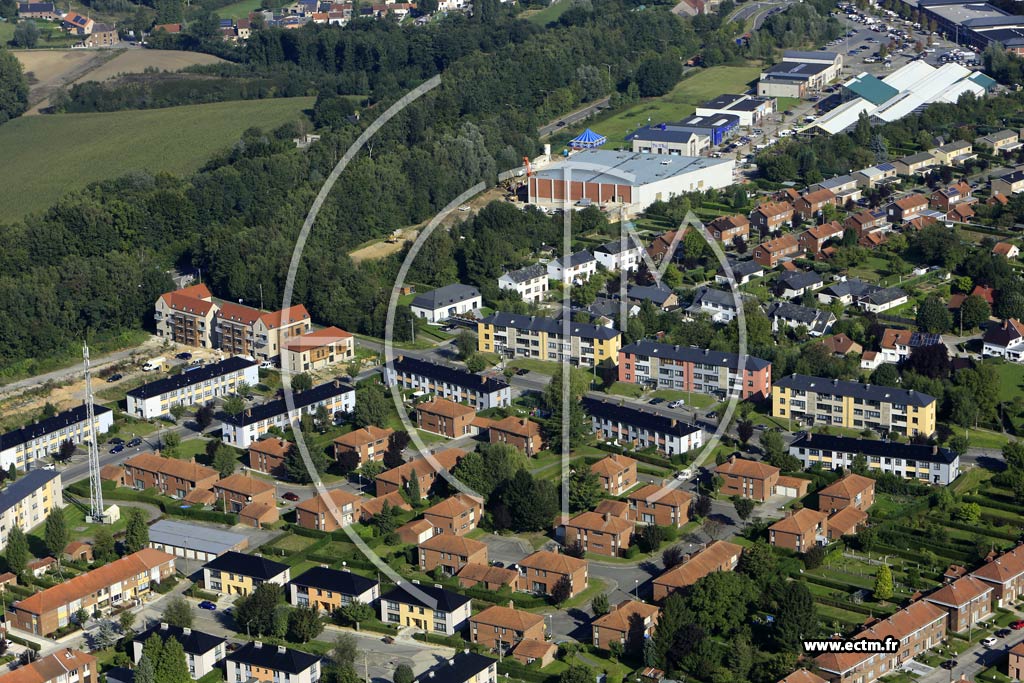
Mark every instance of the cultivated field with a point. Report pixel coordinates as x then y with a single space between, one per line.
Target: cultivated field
39 168
137 61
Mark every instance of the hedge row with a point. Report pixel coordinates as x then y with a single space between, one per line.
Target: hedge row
21 641
457 642
167 507
916 556
952 524
848 606
656 460
822 581
988 502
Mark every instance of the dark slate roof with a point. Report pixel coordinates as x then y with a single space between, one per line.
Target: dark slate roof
884 296
867 392
1013 176
334 580
712 122
815 319
579 258
407 365
24 486
668 133
802 55
713 296
742 269
270 657
871 447
439 599
693 355
615 247
195 642
443 296
35 6
799 279
302 399
462 667
187 379
654 294
528 273
612 410
851 287
48 426
796 70
247 565
549 325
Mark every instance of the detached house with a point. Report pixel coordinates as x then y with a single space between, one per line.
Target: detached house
1005 340
770 217
907 209
748 478
531 283
255 661
603 534
630 623
799 531
616 472
442 303
770 253
945 198
451 553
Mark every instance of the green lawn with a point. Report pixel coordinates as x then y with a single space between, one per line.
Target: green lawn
545 367
38 169
238 10
626 389
677 104
550 13
1011 380
691 398
6 32
982 438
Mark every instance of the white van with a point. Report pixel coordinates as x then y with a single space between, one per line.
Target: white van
154 364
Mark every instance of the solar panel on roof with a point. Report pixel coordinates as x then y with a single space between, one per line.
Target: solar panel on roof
886 167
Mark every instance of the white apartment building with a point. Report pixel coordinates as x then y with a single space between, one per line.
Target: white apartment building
531 283
252 424
195 386
255 661
616 256
31 445
581 266
26 502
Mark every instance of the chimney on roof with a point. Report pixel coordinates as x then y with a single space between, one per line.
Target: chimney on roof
935 449
337 384
673 422
186 631
248 412
281 649
163 625
257 644
607 516
483 379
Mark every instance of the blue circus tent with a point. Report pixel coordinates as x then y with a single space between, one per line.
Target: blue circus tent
588 139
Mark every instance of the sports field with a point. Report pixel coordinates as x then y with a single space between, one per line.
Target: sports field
677 104
46 156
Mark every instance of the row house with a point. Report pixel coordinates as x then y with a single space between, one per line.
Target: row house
27 501
171 477
457 515
329 511
25 447
601 534
1005 574
369 444
317 350
907 209
523 336
198 386
853 405
853 490
748 478
799 531
628 425
501 628
425 469
925 463
771 216
254 422
481 391
630 623
65 665
718 556
100 590
539 572
186 316
967 602
616 473
451 553
255 661
330 589
688 368
660 505
770 253
246 331
727 228
446 418
530 283
813 240
813 203
518 432
268 455
620 255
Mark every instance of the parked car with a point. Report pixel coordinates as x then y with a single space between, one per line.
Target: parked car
113 378
712 415
948 664
134 442
656 401
989 642
522 371
206 604
184 355
290 496
677 404
1017 625
1003 632
117 441
117 449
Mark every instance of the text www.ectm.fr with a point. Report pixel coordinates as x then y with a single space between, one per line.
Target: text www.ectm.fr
867 645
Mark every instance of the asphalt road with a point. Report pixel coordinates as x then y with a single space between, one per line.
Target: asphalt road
571 118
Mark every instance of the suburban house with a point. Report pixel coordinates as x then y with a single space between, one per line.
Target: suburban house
1015 667
718 305
813 240
100 590
1000 142
426 608
25 447
487 577
368 443
397 478
1005 340
531 283
255 421
666 244
317 350
616 256
234 573
659 505
897 344
906 209
944 198
451 553
186 316
76 24
853 405
37 10
328 589
770 217
661 295
1008 184
60 666
853 490
464 667
953 153
1005 573
456 384
334 509
813 203
742 272
526 336
203 651
799 531
501 628
816 321
198 386
925 463
913 164
539 572
255 661
602 534
687 368
519 432
846 522
967 601
171 477
267 455
444 417
252 499
26 501
770 253
582 265
1007 250
748 478
727 228
839 345
867 222
630 623
617 473
457 515
442 303
718 556
873 175
246 331
794 283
